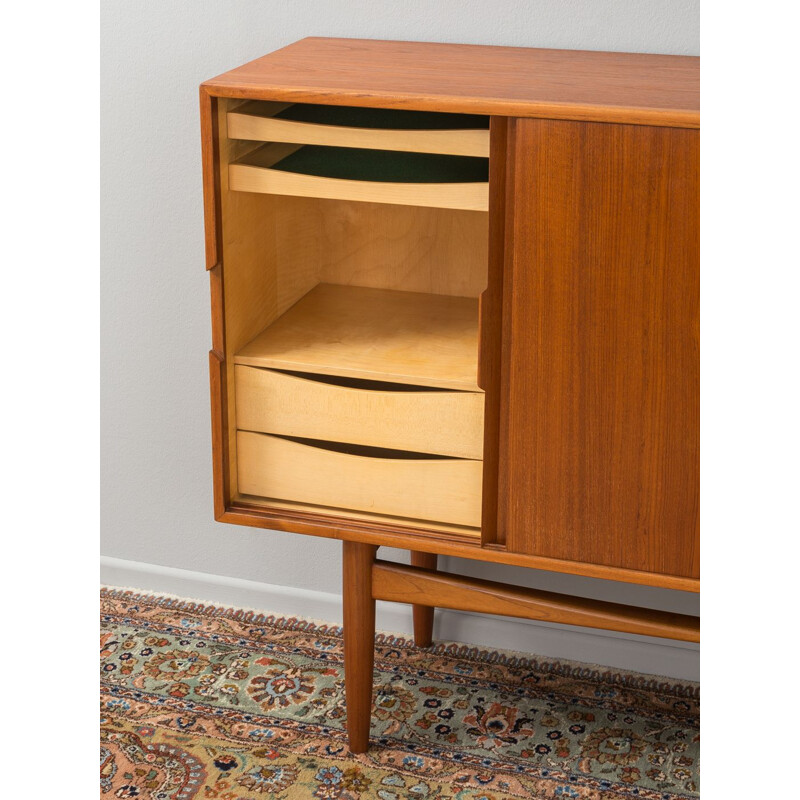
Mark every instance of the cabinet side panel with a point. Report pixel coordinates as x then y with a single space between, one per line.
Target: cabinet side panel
210 149
602 360
209 134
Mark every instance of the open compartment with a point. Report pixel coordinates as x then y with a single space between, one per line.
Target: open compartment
354 323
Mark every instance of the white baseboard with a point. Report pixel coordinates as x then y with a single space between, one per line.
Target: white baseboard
680 660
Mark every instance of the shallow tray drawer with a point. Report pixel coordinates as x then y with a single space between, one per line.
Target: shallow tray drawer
376 128
425 421
436 489
369 176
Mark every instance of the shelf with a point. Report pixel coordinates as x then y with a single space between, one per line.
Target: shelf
376 176
375 334
346 126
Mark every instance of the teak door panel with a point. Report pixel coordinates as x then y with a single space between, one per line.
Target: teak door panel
599 445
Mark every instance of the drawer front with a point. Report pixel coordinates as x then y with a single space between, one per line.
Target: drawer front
437 489
441 422
256 122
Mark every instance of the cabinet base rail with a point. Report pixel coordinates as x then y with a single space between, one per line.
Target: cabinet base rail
366 580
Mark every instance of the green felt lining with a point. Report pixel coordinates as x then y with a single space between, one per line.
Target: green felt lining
355 164
385 118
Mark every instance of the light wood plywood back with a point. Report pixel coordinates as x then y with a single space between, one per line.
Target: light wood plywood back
433 250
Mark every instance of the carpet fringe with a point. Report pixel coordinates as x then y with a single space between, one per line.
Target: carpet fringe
569 669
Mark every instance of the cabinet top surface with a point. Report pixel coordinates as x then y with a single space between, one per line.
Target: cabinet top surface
584 85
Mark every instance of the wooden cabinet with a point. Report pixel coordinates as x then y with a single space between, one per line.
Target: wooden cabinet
455 296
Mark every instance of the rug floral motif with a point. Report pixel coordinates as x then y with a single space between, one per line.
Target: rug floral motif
224 704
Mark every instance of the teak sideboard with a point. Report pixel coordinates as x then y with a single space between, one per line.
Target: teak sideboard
455 300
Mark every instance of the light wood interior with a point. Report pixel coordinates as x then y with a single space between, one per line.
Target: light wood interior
438 489
256 121
379 290
408 248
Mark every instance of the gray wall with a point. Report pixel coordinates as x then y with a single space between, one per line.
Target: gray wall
156 462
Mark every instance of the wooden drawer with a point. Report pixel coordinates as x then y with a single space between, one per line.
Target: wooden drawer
425 421
437 489
364 175
376 128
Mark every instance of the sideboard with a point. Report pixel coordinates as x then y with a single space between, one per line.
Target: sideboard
455 304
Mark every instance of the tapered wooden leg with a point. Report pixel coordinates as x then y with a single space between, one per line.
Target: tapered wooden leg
359 640
423 615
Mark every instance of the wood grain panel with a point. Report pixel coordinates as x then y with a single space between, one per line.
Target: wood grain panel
408 248
475 79
600 439
380 246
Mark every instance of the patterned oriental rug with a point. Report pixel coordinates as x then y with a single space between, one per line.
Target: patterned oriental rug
207 702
